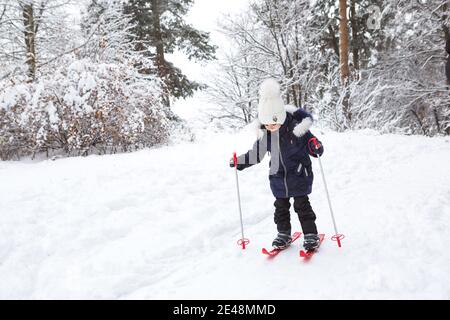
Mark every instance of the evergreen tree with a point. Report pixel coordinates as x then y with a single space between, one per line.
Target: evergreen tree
158 29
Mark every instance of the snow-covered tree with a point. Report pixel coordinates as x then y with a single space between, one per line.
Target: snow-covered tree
273 39
406 88
158 28
32 33
95 100
394 65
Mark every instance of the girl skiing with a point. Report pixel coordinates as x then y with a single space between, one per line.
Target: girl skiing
283 131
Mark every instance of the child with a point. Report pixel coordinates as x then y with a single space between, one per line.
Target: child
284 133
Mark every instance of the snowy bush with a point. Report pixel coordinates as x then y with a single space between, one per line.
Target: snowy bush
84 107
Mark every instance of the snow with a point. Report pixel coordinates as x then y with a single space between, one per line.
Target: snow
52 114
163 223
12 95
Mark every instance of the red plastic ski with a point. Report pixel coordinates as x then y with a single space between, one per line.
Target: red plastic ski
308 254
274 252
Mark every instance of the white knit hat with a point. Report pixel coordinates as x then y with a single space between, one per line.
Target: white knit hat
271 106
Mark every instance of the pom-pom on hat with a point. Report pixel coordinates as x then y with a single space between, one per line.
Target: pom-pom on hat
271 107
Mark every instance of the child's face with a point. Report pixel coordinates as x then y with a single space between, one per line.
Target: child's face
272 127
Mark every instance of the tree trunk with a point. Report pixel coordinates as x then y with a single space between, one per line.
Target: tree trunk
333 40
30 37
160 61
436 120
355 38
343 56
446 35
159 44
343 41
444 19
416 115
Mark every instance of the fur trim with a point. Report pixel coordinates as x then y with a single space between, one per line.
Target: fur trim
290 108
301 128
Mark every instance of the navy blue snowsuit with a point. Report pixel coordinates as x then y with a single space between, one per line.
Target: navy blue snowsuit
293 175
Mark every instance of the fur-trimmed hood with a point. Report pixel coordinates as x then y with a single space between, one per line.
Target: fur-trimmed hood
303 119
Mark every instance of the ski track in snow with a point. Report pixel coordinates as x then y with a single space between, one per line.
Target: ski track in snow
163 223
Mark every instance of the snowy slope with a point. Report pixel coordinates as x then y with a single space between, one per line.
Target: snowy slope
163 223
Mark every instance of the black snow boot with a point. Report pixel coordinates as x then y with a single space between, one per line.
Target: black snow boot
282 241
311 242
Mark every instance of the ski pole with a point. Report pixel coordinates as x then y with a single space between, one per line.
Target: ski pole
243 241
337 237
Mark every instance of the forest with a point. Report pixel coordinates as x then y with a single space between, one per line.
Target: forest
103 84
